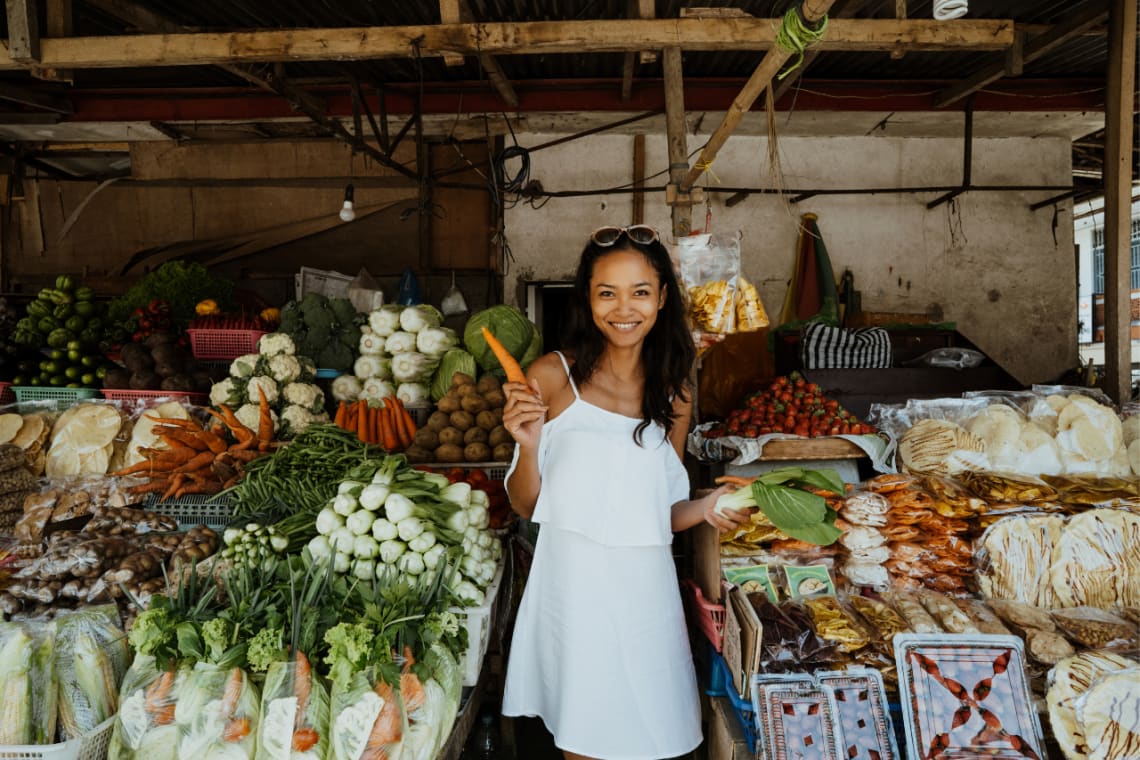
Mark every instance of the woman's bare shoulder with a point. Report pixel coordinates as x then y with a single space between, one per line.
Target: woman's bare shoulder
549 372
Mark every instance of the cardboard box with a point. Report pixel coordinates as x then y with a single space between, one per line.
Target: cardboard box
741 640
725 738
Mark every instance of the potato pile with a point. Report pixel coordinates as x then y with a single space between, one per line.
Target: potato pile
467 426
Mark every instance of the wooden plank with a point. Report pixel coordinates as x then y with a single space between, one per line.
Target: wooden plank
491 66
1072 27
811 448
676 130
513 38
23 31
638 216
273 159
762 77
645 9
900 12
627 66
449 14
1118 166
58 25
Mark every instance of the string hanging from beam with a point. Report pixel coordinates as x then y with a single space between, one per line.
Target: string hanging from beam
794 37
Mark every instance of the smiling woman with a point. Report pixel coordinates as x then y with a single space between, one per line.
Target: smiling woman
600 433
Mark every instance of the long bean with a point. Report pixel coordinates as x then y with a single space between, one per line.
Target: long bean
303 475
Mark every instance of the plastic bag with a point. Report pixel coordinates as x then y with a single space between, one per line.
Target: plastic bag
453 303
294 715
360 707
1095 628
950 358
217 710
145 727
91 659
710 268
409 290
27 683
364 292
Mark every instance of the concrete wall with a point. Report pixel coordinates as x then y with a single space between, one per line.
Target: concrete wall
1004 273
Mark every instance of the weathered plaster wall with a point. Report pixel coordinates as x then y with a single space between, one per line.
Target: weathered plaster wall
1004 273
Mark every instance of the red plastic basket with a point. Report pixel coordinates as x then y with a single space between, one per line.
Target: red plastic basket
223 344
119 394
6 394
708 616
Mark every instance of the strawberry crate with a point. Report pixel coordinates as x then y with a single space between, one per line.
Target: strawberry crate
120 394
6 394
91 746
210 343
48 393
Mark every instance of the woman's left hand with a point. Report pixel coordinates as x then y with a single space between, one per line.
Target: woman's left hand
727 520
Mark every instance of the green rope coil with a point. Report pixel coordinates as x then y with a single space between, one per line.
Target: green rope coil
794 36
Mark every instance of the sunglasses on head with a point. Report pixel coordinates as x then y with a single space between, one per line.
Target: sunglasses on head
642 234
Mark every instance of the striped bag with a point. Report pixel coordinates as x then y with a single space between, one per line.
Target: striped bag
826 347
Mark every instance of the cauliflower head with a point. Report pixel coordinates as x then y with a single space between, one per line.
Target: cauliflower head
296 418
276 343
285 368
245 366
306 396
346 388
262 383
230 392
250 416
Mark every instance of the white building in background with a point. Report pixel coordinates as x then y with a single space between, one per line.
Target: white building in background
1088 236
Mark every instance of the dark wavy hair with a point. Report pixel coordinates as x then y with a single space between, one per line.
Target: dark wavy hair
668 352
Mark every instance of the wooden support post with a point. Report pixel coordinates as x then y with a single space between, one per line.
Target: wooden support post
1118 163
449 14
1015 56
638 216
58 25
900 14
23 31
645 9
675 131
773 61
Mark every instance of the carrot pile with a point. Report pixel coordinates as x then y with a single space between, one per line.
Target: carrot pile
388 424
199 459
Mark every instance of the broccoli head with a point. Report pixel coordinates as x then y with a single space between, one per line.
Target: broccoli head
291 320
343 311
335 355
350 335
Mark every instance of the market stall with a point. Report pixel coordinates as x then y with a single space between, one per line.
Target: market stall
252 567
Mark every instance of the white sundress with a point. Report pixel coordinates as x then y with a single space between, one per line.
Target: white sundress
600 650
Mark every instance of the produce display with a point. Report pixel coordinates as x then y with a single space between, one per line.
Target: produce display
178 284
68 323
159 362
388 423
467 425
789 405
30 432
325 329
282 378
517 334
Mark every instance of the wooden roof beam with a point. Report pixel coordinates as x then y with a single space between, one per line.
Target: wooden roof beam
58 25
1033 49
506 38
459 12
23 31
29 97
637 9
839 9
762 77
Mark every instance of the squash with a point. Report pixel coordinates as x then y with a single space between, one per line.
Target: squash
271 316
207 308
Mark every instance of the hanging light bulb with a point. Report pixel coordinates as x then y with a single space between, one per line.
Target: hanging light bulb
347 211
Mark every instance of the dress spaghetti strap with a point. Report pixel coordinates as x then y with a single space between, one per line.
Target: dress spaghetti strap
566 366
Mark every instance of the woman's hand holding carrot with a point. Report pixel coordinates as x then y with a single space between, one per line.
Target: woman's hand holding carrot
524 413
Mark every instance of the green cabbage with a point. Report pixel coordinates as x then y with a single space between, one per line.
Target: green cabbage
517 334
455 360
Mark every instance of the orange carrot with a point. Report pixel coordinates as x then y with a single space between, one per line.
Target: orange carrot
265 419
506 360
409 422
735 480
349 417
341 413
362 420
388 429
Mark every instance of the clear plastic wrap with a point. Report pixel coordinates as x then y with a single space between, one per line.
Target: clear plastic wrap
217 710
365 715
1067 683
294 715
1014 559
835 624
1109 716
92 656
145 727
1096 628
966 696
787 640
860 701
710 267
912 611
797 720
27 683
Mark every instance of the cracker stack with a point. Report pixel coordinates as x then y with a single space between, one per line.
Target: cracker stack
15 484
